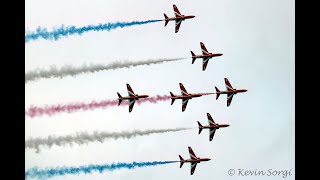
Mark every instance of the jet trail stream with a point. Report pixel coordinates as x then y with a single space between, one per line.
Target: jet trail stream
69 70
50 110
60 171
81 138
57 33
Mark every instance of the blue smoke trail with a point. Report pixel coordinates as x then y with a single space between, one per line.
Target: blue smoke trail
51 172
66 31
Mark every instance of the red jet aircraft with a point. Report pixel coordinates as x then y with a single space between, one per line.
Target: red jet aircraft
230 91
185 96
132 97
205 56
193 160
179 18
212 126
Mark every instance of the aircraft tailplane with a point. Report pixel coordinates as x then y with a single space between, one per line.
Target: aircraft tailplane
193 58
172 99
120 99
218 92
181 161
200 127
166 19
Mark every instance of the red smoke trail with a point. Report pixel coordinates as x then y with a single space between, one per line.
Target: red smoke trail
50 110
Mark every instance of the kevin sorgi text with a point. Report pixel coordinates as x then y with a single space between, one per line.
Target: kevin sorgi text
257 172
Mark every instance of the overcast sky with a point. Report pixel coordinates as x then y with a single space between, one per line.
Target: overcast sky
257 40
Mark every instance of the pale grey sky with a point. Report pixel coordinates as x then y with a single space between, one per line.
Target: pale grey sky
257 40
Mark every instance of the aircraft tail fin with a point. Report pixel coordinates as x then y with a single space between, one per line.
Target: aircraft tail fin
193 58
218 92
200 127
120 98
181 161
166 19
172 99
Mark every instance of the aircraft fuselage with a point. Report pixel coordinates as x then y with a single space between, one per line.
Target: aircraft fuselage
207 55
235 91
195 160
180 18
215 126
190 96
134 97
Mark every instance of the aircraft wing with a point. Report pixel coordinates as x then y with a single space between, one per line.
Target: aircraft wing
205 63
191 153
193 167
132 101
176 11
229 98
211 133
211 121
183 90
204 49
184 103
178 23
130 91
228 85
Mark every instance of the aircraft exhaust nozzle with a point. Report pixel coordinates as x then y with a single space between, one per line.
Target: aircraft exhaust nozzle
193 58
181 161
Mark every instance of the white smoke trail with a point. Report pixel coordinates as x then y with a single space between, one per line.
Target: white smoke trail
69 70
81 138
